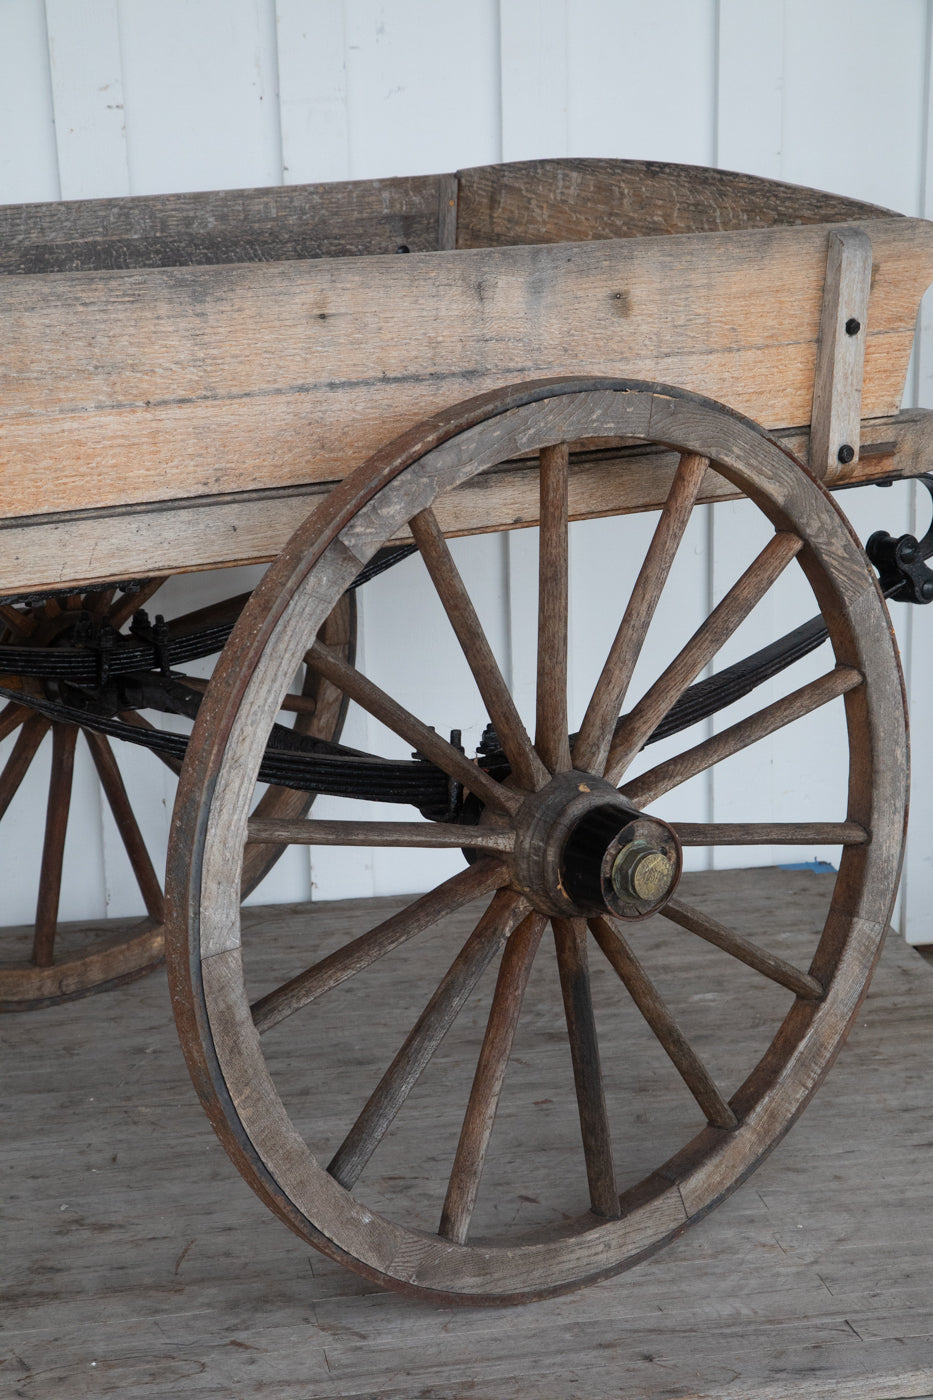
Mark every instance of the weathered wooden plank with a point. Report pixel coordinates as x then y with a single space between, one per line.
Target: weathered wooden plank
221 226
558 201
227 529
159 384
524 202
840 358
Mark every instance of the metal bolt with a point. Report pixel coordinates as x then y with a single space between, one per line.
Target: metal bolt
403 248
846 454
853 326
640 872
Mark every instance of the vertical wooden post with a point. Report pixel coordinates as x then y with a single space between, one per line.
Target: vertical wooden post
840 356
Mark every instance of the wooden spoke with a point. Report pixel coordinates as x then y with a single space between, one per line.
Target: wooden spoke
514 971
11 717
21 623
129 603
99 602
551 738
504 913
772 833
647 787
743 949
635 728
401 721
462 888
335 833
592 746
658 1016
64 737
112 782
222 613
295 704
525 763
573 966
24 751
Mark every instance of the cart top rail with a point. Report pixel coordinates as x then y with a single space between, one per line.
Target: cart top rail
177 369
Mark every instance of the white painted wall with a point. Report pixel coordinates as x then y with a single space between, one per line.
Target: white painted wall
111 97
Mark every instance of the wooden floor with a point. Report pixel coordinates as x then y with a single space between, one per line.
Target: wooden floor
136 1264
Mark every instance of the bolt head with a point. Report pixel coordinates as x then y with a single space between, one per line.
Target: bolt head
853 326
639 872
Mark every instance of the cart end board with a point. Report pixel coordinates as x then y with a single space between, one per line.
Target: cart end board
174 417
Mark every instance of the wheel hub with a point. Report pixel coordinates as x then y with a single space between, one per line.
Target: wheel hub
581 850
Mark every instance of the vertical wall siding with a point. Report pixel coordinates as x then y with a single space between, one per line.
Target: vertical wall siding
131 96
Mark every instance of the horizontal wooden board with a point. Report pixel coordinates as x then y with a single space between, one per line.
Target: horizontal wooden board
543 201
222 226
130 387
558 201
251 527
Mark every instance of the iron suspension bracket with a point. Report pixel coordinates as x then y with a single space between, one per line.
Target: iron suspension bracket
901 562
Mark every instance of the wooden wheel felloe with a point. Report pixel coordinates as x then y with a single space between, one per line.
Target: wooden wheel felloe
51 961
561 831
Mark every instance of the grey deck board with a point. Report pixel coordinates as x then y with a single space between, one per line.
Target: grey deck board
136 1263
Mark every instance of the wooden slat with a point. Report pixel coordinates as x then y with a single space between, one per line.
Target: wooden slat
11 717
658 1016
64 738
555 201
551 738
633 730
652 784
221 226
500 706
570 943
514 971
462 888
378 703
30 736
503 915
742 948
592 744
579 199
132 387
840 357
308 832
112 782
768 833
236 528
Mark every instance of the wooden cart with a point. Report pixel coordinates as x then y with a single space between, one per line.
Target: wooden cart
187 379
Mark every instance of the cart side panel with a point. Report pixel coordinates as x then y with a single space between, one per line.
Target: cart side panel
543 201
144 387
226 226
563 201
88 547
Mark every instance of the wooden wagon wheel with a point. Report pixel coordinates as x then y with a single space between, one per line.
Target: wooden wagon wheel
50 963
559 841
